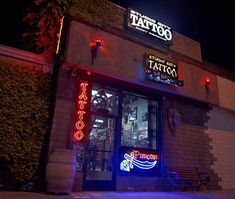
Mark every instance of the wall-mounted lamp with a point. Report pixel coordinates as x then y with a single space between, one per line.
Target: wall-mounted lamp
97 43
94 48
207 83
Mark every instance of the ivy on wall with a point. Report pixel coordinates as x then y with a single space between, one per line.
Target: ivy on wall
43 19
24 113
100 12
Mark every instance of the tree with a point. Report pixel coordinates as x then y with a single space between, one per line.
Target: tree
43 19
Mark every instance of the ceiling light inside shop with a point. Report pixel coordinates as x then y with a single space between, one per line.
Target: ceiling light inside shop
99 121
94 92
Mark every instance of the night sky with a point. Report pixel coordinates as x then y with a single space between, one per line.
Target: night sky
210 22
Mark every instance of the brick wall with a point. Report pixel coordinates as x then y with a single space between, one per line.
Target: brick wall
188 145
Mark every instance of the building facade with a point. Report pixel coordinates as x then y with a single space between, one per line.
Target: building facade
135 96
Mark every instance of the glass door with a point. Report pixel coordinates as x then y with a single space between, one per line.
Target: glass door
99 158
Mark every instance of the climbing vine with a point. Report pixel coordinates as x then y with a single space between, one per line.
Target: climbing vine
24 114
43 20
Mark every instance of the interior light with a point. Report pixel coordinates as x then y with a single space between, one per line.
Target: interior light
94 92
99 121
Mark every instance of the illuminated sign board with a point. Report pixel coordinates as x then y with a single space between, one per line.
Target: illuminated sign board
149 26
82 104
136 160
161 70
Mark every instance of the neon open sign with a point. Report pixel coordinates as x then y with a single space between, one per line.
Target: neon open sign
81 111
138 160
149 26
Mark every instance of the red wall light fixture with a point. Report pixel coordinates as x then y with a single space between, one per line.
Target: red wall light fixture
207 82
98 43
94 49
95 44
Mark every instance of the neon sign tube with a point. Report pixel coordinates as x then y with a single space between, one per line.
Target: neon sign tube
59 34
148 161
81 111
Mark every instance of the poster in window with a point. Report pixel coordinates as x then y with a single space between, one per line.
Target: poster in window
133 113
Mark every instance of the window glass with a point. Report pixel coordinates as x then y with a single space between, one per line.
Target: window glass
103 100
138 122
99 153
100 150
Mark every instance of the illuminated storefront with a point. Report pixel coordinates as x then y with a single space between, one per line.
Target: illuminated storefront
120 122
133 99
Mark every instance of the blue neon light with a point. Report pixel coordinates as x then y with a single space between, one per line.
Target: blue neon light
130 161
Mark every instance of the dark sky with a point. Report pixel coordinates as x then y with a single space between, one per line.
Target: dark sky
210 22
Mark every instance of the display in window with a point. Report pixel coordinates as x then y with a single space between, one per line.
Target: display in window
144 116
133 113
79 148
100 148
100 101
138 122
103 100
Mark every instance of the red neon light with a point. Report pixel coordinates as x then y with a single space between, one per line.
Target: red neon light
59 34
82 104
137 154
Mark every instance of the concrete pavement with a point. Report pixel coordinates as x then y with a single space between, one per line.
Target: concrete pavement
222 194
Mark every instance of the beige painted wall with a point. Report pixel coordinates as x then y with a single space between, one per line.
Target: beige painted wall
226 91
124 59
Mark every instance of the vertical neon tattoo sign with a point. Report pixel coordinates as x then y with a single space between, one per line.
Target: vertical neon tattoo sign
82 104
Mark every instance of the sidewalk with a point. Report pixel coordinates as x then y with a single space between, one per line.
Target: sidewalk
224 194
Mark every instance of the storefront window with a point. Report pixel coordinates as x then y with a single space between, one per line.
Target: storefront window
79 148
100 149
134 123
99 154
103 100
138 122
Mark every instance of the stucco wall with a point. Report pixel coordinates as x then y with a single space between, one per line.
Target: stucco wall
187 46
124 59
226 90
64 111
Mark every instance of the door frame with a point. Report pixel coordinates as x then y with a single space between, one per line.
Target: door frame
103 185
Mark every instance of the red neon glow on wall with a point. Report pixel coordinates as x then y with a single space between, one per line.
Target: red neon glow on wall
81 111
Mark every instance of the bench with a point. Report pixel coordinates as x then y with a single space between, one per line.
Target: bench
186 178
